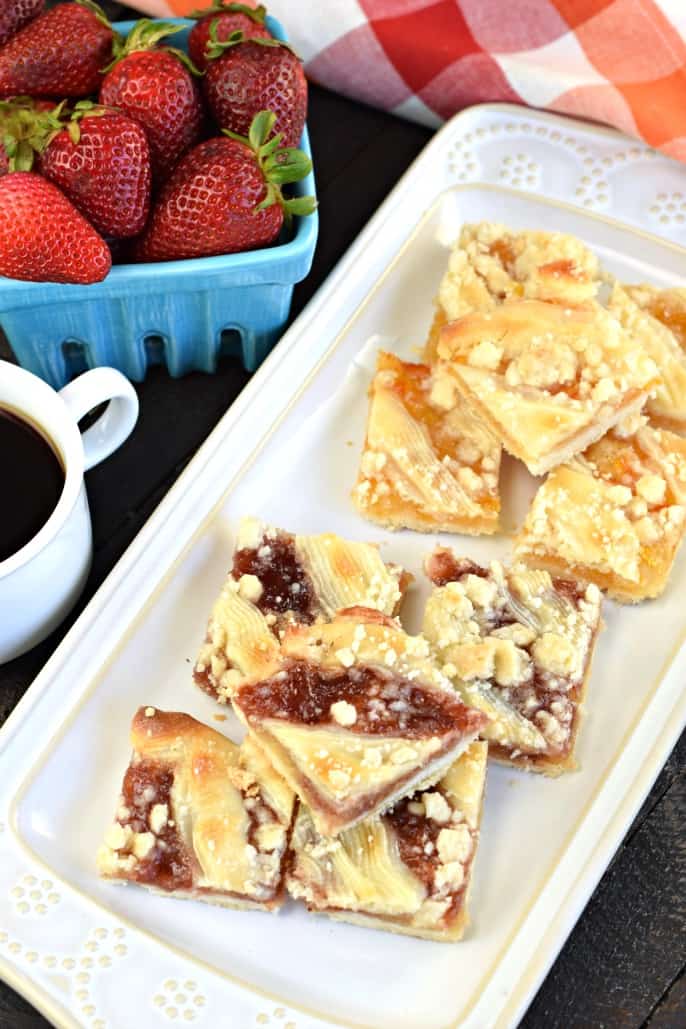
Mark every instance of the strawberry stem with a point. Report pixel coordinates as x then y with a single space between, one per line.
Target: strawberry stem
26 132
279 165
256 14
145 35
216 47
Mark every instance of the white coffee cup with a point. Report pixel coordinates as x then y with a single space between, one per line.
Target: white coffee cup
41 582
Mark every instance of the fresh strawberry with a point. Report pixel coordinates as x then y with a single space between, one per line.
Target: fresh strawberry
14 14
43 238
99 158
59 54
156 87
246 76
101 162
225 196
228 17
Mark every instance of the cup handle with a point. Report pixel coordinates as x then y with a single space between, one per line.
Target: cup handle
115 424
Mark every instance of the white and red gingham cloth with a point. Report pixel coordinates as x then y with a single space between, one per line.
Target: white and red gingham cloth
622 62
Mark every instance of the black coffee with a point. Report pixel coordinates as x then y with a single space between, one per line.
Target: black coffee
32 480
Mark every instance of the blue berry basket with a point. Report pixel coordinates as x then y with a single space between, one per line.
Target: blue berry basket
184 314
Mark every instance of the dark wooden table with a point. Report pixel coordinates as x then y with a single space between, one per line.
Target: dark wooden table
623 966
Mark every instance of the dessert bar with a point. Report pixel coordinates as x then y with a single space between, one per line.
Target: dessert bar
614 516
408 871
517 644
356 716
278 579
428 464
490 264
546 379
198 816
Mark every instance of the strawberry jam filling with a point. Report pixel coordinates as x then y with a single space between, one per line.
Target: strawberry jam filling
167 864
416 835
570 589
385 704
417 838
285 583
443 567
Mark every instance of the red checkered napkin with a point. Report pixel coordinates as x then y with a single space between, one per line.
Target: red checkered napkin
617 61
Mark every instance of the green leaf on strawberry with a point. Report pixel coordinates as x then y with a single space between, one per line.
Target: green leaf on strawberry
279 165
300 206
256 14
260 129
287 165
216 47
145 35
26 130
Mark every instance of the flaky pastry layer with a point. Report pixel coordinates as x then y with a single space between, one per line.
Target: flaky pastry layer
199 817
547 380
633 306
614 517
427 463
517 644
356 716
408 871
278 579
490 264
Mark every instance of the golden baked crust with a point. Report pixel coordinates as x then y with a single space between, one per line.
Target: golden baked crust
355 716
491 263
615 516
198 816
408 871
277 579
657 318
516 644
668 306
427 463
546 379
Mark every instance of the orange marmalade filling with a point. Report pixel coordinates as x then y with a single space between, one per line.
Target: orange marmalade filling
619 461
563 268
412 384
503 250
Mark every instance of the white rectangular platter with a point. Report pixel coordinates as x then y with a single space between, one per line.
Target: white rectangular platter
98 955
